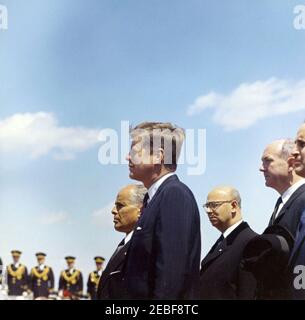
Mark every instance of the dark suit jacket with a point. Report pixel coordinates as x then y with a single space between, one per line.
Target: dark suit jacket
221 276
164 256
270 262
297 258
111 285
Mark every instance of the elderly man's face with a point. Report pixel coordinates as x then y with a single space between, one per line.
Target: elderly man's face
299 152
125 212
274 168
219 208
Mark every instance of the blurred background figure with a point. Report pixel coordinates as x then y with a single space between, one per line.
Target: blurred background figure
41 281
94 278
16 277
71 281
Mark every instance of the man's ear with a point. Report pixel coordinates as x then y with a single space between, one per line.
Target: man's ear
234 206
159 156
291 162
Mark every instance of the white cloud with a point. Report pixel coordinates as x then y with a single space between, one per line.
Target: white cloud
54 218
38 134
102 217
251 102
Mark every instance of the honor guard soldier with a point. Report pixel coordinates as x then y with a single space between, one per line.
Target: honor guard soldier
16 275
94 278
71 280
42 278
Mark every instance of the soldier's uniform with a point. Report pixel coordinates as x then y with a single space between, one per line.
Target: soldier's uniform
16 276
41 278
94 278
71 280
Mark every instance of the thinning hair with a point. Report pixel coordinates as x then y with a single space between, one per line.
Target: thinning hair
164 135
236 196
287 148
137 194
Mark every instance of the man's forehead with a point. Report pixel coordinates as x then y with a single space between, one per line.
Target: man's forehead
272 150
124 194
301 133
220 194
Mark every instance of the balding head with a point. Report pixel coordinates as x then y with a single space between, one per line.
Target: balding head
223 207
277 165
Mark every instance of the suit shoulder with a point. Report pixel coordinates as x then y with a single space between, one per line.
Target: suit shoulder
177 187
247 234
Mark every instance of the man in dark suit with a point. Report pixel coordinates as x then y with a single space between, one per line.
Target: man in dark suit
221 276
297 257
267 256
16 275
164 256
94 278
126 212
41 278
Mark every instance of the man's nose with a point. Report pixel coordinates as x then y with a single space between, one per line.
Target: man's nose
261 168
114 211
295 152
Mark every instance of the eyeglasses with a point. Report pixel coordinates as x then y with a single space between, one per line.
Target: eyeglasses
214 205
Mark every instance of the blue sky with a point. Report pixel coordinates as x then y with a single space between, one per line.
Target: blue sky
70 68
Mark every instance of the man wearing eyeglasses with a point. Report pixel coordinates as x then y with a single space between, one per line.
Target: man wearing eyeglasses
220 274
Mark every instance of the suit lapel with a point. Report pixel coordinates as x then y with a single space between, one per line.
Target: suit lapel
223 247
114 263
167 181
286 206
213 254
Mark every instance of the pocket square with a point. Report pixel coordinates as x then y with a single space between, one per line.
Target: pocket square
139 228
114 272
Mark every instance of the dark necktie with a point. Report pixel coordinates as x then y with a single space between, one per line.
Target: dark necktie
145 201
278 203
119 247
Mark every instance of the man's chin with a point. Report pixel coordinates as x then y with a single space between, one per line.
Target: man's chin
300 170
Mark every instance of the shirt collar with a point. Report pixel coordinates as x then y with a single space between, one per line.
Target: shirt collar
128 237
155 186
233 227
287 194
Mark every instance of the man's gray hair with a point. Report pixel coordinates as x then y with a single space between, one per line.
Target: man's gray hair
287 148
236 196
138 193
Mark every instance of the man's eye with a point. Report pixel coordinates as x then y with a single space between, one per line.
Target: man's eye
301 144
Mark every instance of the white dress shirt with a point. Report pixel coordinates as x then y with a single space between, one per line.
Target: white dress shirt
287 194
155 186
233 227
